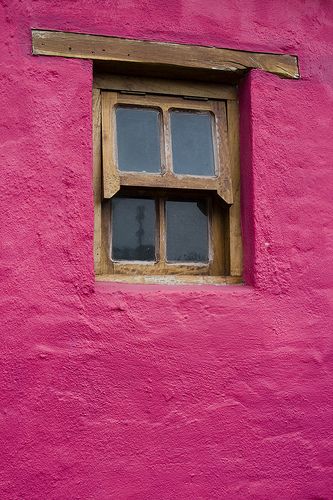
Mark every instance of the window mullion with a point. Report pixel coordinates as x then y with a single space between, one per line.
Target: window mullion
162 233
167 141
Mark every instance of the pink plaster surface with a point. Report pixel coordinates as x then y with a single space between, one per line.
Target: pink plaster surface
115 391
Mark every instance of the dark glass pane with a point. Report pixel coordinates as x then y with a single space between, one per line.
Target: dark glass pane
192 143
187 231
133 229
138 139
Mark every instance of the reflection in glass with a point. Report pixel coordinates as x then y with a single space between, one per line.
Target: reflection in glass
133 229
138 139
192 143
187 231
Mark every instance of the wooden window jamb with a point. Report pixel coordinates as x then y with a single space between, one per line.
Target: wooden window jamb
225 235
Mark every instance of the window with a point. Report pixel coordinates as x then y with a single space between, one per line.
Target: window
183 192
166 166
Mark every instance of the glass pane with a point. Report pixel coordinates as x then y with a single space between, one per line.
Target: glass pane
192 143
133 229
187 231
138 139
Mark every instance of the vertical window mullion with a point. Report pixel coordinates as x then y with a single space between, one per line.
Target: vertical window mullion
162 232
167 140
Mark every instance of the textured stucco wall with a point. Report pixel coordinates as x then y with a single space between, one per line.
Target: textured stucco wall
115 391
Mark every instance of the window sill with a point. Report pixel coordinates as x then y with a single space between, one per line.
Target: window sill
171 279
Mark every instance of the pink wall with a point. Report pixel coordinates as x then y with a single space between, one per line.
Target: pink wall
115 391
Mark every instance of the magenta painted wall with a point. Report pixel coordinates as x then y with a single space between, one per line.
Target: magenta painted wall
115 391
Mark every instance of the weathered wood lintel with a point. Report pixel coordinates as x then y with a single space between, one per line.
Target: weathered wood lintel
171 55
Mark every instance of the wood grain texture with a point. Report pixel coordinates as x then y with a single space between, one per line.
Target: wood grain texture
172 279
106 264
224 189
217 237
235 235
169 181
105 48
165 101
111 182
160 269
166 87
97 177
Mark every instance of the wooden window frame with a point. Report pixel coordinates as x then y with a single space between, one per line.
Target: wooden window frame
113 179
225 234
162 59
214 268
193 65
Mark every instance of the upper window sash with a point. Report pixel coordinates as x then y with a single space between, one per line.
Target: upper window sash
113 178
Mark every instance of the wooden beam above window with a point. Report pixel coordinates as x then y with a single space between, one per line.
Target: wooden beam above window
158 55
